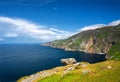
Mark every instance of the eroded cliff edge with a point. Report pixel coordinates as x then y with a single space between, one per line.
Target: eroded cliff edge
100 40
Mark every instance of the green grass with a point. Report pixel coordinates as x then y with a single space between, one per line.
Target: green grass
114 52
99 72
75 44
102 35
53 78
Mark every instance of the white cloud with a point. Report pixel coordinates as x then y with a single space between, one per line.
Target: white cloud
114 23
56 30
1 39
92 27
11 35
14 27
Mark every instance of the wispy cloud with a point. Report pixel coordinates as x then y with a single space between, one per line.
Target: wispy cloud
11 35
92 27
114 23
15 27
1 39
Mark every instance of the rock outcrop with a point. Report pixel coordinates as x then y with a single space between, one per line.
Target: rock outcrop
68 61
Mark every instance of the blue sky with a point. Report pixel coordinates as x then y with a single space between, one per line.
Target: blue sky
34 21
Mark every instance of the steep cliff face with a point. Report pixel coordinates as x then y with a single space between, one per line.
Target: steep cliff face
92 41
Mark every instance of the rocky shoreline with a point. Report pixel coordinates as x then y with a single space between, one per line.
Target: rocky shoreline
42 74
84 69
65 49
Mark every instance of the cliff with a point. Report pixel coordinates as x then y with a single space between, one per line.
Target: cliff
100 40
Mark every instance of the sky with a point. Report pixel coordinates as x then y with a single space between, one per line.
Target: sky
36 21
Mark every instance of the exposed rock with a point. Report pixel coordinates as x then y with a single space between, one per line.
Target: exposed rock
68 70
89 43
100 40
68 61
41 74
85 71
68 49
81 65
76 64
109 67
84 64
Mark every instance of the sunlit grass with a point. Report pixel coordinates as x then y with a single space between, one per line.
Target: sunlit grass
98 72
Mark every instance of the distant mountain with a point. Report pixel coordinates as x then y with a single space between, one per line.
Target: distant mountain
102 40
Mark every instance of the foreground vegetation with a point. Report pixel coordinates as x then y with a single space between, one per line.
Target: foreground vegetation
107 71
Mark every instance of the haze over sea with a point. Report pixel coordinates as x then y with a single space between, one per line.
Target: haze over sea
17 60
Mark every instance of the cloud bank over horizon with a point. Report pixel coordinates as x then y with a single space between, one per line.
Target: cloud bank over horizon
15 28
95 26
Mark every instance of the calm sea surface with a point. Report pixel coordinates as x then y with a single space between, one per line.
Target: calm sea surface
17 60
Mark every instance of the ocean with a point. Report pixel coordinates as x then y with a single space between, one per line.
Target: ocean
17 60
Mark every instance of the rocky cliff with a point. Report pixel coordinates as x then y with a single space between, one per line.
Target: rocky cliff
100 40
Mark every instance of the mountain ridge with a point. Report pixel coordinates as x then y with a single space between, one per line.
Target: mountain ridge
100 41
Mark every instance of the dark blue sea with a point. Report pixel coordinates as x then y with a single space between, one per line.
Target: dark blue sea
17 60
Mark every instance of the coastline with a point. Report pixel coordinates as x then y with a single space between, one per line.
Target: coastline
75 50
79 69
49 72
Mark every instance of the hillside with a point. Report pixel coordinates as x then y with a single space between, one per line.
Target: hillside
102 40
107 71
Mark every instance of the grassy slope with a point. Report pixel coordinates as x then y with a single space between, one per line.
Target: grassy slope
114 52
103 39
99 72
